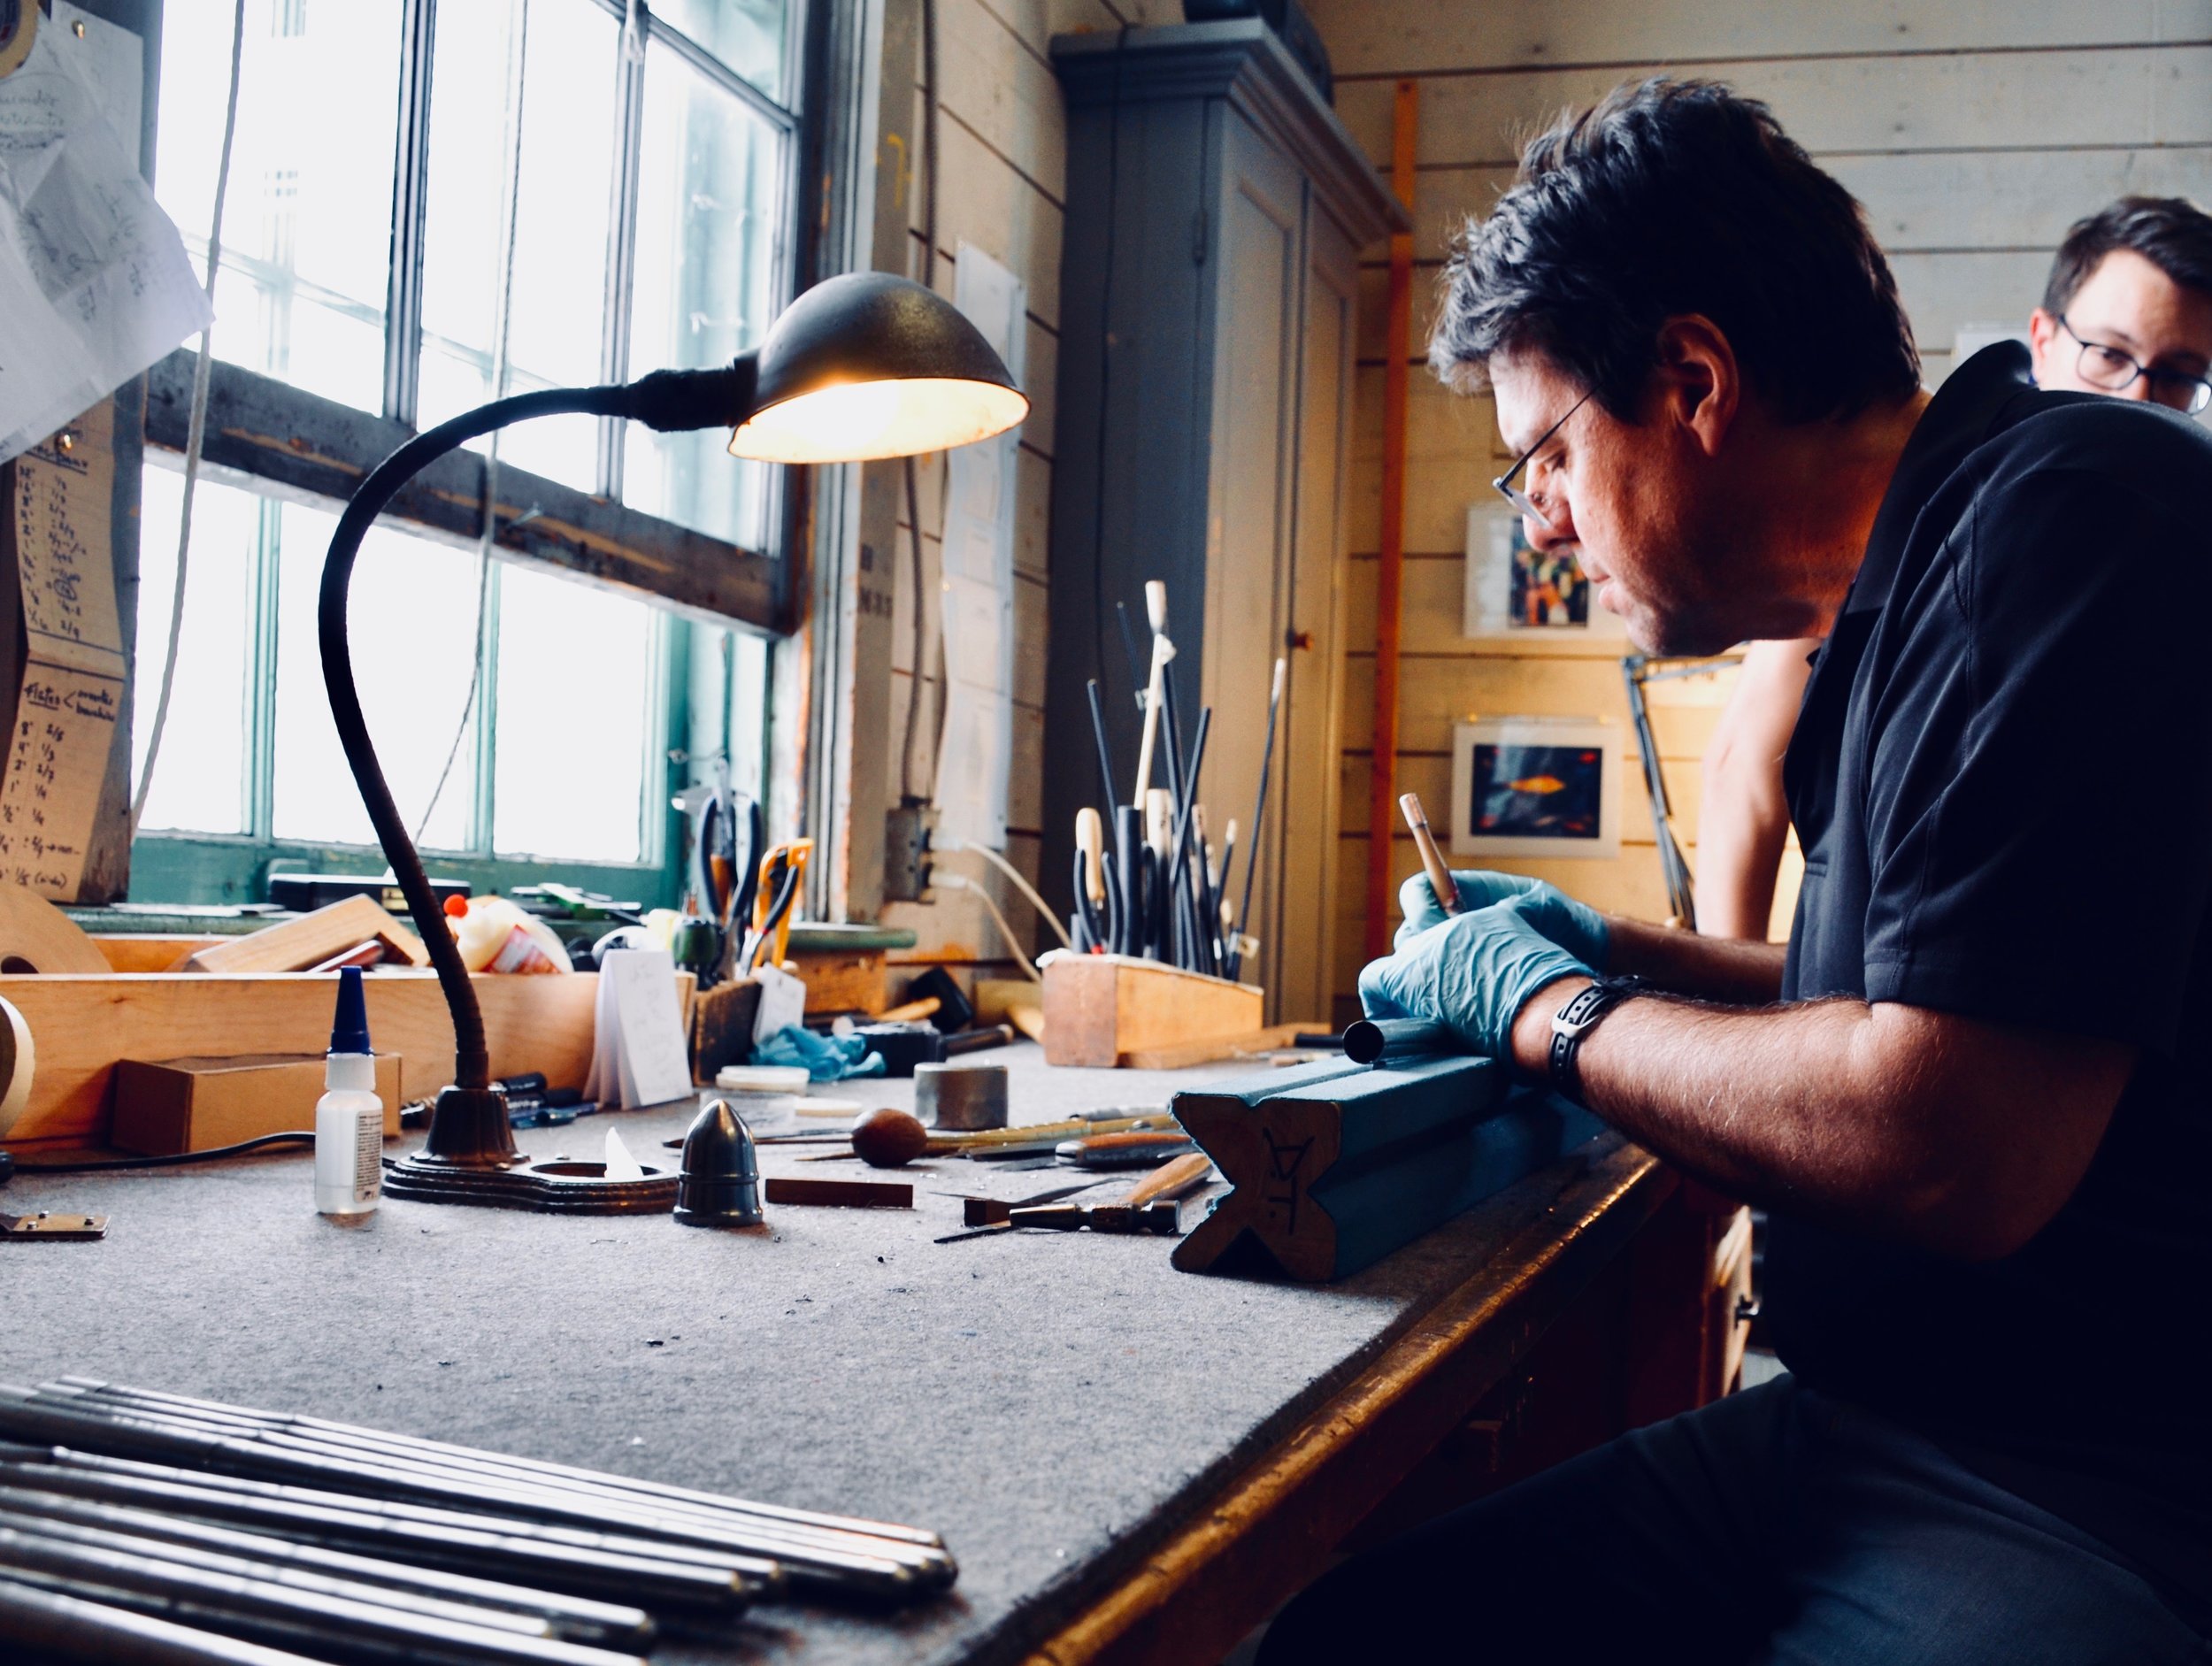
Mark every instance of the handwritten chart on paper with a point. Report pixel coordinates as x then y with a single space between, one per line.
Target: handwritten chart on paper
94 284
66 710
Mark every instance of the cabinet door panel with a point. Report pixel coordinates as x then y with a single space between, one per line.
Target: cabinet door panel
1249 502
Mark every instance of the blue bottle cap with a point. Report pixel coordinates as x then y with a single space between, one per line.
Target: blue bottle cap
349 1028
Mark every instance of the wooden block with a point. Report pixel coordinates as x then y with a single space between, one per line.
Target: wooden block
841 979
151 951
1244 1044
196 1104
722 1027
1098 1007
838 1193
82 1025
296 944
1334 1164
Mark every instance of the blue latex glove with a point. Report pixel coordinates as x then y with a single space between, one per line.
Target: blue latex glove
1575 926
825 1058
1473 972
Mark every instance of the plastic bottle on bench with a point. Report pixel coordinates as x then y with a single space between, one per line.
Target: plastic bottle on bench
350 1116
494 935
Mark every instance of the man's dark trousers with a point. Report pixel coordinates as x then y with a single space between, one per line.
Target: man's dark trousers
1775 1525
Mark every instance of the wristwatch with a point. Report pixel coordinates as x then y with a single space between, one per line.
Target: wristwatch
1576 1020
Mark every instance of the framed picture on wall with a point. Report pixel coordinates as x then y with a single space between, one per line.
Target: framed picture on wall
1536 787
1512 587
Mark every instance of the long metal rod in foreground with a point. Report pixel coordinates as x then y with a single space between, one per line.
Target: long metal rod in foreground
579 1619
570 1560
722 1501
823 1557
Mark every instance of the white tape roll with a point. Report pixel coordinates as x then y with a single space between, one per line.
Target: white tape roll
17 1057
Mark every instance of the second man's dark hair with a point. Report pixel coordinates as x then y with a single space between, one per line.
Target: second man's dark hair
2171 232
1668 198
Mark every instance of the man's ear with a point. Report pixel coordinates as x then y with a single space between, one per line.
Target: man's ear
2042 336
1699 385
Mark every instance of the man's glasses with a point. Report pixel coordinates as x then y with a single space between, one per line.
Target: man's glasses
2115 372
1520 499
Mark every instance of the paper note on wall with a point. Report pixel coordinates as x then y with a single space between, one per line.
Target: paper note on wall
977 603
94 284
72 693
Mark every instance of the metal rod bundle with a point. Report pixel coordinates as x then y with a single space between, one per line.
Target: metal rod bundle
126 1509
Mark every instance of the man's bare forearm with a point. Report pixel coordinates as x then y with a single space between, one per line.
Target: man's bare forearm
1941 1131
1741 974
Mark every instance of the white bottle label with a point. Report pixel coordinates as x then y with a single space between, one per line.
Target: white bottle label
368 1157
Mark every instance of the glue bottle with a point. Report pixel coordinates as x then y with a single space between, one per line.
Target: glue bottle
350 1116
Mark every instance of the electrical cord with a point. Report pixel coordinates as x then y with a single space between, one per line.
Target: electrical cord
101 1165
959 881
907 794
196 427
1020 883
509 218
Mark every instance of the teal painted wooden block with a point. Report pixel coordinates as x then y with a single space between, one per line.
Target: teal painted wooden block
1333 1165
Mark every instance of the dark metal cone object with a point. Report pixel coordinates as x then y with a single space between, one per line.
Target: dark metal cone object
719 1181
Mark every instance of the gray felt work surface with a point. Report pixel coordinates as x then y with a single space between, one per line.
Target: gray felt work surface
1052 1403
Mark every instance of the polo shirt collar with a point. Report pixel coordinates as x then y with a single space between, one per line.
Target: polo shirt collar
1965 410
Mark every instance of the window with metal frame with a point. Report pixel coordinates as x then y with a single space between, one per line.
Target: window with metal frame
431 201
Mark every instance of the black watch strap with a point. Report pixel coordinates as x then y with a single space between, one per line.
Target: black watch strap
1576 1020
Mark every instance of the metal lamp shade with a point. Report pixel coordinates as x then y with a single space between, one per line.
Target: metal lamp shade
870 365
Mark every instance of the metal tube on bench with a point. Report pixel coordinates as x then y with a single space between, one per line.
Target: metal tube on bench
143 1582
675 1577
59 1626
1381 1040
579 1619
253 1564
823 1557
186 1406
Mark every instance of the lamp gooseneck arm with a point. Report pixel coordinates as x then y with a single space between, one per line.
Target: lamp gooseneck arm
472 1064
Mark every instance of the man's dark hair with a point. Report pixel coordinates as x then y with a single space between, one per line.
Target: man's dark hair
2171 232
1668 198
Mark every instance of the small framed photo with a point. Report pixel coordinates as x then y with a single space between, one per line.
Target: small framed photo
1536 787
1514 587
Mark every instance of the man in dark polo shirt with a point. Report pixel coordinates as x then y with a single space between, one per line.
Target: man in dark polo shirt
1974 1098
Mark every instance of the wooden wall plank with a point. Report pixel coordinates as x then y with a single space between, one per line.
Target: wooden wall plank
1987 101
1394 37
1003 91
1437 693
1001 212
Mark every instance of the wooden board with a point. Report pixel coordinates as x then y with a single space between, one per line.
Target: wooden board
149 951
82 1025
779 1188
294 945
1099 1007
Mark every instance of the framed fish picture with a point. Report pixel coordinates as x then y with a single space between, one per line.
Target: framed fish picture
1536 787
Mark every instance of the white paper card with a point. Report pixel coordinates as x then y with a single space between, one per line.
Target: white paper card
638 1045
782 1001
94 284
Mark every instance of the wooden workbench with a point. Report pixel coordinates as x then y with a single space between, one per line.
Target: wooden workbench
1130 1463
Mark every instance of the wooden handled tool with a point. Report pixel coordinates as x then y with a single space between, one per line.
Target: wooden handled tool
1090 839
1178 1178
1432 858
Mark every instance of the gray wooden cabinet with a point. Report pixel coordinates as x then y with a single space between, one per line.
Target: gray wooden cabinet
1209 304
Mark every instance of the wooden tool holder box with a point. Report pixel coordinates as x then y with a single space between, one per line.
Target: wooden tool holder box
1335 1164
1101 1008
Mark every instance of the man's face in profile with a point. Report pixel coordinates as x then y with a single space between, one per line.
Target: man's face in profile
2130 331
1641 507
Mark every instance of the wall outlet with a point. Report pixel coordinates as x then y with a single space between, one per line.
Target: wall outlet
906 856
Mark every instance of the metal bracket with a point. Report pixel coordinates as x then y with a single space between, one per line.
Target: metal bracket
47 1225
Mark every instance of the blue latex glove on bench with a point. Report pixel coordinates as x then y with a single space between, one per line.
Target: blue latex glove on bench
1474 971
1575 926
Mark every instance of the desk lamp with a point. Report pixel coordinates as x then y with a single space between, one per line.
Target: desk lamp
859 368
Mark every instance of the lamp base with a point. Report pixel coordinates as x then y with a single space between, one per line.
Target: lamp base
556 1186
